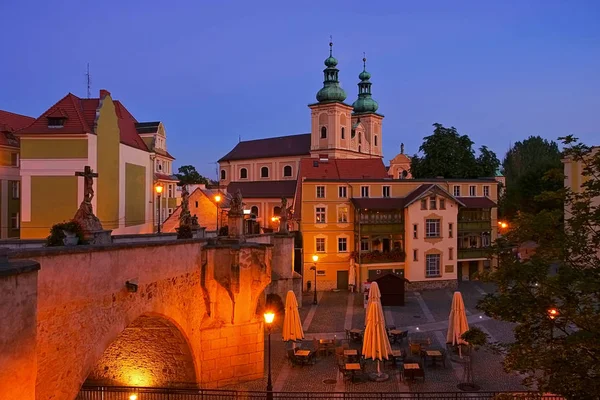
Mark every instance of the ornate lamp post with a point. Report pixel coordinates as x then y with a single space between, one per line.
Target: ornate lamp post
269 318
218 200
314 268
552 314
159 189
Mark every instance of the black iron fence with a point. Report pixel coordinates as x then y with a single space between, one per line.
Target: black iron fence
139 393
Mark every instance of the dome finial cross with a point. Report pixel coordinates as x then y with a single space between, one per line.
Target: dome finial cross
330 45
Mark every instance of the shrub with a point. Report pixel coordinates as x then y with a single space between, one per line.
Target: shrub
57 233
184 232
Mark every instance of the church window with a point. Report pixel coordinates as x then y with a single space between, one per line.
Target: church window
243 173
343 133
223 174
287 170
375 140
323 132
254 211
264 172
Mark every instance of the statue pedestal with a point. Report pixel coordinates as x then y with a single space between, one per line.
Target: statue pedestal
235 225
198 232
99 237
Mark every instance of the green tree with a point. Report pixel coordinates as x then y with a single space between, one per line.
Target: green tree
554 297
531 167
447 153
188 176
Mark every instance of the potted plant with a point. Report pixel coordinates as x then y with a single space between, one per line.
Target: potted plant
66 234
475 338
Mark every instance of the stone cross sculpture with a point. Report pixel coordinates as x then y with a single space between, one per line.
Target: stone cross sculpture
185 217
85 214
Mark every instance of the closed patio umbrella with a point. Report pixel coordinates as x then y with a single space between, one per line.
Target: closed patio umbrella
376 344
457 322
292 327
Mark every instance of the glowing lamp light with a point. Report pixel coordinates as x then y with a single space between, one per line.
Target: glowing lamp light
315 258
552 313
247 212
217 198
274 219
269 317
158 189
503 224
133 397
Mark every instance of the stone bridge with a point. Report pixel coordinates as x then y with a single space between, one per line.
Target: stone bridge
154 314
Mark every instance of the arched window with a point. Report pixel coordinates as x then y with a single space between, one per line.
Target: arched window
323 132
287 170
243 173
276 211
375 140
254 211
264 172
343 133
223 174
404 174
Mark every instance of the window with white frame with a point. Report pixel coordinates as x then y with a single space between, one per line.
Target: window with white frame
485 239
456 191
386 191
432 228
320 215
472 190
432 203
432 266
342 245
320 192
343 214
15 189
287 170
423 204
320 245
486 191
342 192
364 191
170 190
442 204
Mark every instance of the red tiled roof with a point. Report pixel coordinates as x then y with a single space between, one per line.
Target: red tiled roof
313 168
292 145
80 117
427 187
477 202
10 122
370 203
260 189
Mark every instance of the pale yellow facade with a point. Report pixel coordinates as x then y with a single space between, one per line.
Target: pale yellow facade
277 169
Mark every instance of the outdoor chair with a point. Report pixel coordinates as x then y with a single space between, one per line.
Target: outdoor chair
400 338
317 348
291 356
339 351
415 349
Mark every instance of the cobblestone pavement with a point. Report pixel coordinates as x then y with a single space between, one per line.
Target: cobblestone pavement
425 314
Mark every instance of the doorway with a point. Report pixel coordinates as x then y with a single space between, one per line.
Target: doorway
342 280
473 269
386 245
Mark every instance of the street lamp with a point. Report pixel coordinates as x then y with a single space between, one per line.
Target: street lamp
159 189
552 314
315 259
218 200
269 318
503 224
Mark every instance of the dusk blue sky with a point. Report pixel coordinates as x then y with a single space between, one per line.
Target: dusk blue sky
213 71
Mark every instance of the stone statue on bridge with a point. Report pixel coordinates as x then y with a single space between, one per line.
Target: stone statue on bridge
85 214
284 216
185 218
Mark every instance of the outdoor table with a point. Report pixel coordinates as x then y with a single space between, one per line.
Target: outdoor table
353 367
356 334
303 356
397 353
395 333
434 354
409 370
351 354
327 344
355 330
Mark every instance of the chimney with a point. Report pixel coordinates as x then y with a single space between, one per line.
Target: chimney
401 148
103 93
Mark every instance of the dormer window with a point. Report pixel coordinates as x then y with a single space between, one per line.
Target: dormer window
56 122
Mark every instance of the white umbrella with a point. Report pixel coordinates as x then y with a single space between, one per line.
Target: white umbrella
457 322
376 344
352 273
292 327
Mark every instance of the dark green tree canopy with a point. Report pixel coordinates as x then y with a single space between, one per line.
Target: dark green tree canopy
447 153
558 351
531 167
188 176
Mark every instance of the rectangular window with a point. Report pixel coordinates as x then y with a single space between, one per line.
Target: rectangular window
320 245
386 191
15 189
14 221
450 230
432 228
456 191
473 191
320 192
170 190
364 244
364 191
432 266
170 211
432 203
423 204
450 253
342 245
415 231
14 159
414 254
320 215
196 204
486 191
342 192
343 214
442 204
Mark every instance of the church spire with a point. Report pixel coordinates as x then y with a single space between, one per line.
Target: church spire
331 90
365 103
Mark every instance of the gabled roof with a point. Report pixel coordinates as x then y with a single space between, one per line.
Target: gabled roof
425 189
283 146
477 202
129 135
263 189
9 123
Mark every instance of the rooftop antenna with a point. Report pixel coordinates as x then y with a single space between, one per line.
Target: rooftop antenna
89 81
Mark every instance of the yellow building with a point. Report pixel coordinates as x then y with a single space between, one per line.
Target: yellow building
10 180
74 132
432 232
